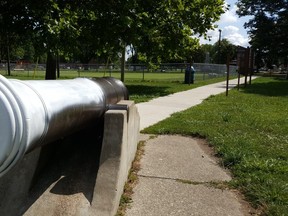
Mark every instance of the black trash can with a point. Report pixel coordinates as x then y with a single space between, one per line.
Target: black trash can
189 75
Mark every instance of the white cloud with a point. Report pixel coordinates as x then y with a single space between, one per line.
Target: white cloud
232 28
232 34
229 16
213 36
237 39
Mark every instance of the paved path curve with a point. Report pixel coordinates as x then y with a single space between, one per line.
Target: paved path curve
179 175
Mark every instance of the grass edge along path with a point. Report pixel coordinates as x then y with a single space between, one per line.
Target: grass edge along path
248 130
144 91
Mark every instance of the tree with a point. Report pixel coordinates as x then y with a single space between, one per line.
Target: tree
55 29
49 24
158 30
167 27
13 19
89 28
268 28
222 50
106 28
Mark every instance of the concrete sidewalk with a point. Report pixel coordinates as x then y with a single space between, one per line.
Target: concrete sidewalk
161 108
179 175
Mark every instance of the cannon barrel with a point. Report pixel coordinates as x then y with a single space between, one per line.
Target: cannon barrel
36 112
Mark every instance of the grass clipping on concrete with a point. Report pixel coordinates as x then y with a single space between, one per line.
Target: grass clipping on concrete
126 197
249 130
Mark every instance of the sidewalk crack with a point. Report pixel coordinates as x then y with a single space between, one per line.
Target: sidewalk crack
223 185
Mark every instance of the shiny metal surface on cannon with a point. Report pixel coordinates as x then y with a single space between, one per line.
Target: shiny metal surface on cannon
36 112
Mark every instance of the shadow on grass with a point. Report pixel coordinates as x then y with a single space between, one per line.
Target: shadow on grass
277 87
148 90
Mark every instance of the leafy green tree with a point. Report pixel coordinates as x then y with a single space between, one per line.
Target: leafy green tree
207 50
268 28
49 24
166 27
221 51
55 29
89 29
13 19
158 30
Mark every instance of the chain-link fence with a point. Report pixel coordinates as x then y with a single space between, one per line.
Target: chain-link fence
168 71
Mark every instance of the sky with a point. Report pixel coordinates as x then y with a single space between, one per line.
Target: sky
232 28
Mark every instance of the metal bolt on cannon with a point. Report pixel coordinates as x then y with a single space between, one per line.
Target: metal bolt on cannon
36 112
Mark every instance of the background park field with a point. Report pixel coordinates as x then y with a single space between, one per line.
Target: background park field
142 85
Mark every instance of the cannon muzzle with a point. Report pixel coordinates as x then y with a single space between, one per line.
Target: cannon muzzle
36 112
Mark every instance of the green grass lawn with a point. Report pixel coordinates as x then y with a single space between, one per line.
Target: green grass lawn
249 130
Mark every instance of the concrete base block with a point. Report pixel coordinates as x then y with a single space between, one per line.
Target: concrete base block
121 134
81 175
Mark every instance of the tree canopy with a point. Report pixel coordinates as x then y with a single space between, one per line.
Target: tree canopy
85 29
268 28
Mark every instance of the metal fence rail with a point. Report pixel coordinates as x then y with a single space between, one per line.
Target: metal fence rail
139 71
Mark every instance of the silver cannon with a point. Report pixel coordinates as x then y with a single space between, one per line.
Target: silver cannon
36 112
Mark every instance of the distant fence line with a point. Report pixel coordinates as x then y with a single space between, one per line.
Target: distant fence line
202 69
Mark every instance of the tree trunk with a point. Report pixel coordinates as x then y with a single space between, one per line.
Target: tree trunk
58 65
123 64
8 57
50 67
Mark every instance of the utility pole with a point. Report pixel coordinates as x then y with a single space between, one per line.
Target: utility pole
219 46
